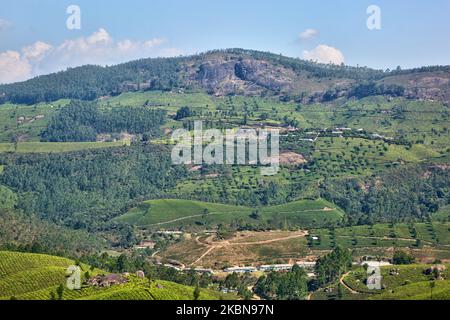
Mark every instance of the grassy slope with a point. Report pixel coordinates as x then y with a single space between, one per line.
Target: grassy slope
163 211
33 276
30 127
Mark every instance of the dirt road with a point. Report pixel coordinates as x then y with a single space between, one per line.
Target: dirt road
226 243
341 281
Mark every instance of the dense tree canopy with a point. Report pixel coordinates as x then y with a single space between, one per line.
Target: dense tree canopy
399 194
28 233
331 266
291 285
81 189
83 121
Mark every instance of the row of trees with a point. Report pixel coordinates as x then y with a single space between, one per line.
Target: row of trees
373 89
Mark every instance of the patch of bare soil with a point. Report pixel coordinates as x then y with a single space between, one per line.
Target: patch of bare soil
244 248
291 158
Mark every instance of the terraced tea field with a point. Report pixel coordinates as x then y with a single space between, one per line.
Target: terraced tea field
171 212
28 276
414 235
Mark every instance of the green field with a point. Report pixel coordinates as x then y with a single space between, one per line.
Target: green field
407 283
49 147
169 212
28 276
26 121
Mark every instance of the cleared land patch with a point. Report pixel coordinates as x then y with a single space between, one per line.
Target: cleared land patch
244 248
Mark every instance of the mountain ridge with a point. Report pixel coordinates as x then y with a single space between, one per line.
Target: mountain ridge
231 72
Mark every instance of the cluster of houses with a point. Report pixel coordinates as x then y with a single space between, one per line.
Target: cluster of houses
243 269
339 131
270 267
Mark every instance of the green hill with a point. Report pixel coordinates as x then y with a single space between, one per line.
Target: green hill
28 276
168 212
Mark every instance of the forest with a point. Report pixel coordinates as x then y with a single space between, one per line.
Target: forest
399 194
84 190
28 233
82 121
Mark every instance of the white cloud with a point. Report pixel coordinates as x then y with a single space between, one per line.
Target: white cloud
99 37
36 51
324 54
13 67
4 24
309 34
154 42
98 48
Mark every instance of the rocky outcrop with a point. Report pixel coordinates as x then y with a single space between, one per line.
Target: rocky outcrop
232 75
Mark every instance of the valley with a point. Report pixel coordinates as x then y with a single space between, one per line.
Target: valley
87 178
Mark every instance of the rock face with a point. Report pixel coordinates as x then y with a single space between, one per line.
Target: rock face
227 75
107 280
265 75
140 274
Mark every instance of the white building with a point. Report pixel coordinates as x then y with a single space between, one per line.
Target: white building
240 269
275 267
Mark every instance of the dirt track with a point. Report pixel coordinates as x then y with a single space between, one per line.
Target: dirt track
226 243
341 281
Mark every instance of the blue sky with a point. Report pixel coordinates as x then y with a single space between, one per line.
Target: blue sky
413 33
